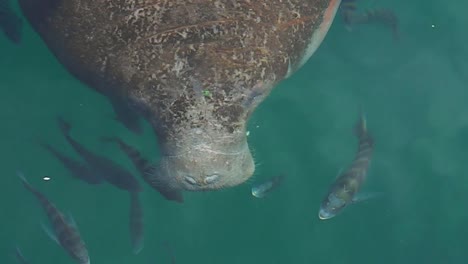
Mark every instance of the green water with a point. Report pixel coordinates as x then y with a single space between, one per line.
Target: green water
414 92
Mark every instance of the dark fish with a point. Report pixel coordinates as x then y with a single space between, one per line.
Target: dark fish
65 231
77 169
142 165
136 223
109 170
10 23
20 257
262 189
377 15
343 191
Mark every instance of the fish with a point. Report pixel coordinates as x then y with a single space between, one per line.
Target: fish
65 231
109 170
143 166
384 16
19 256
77 169
344 190
262 189
136 223
10 23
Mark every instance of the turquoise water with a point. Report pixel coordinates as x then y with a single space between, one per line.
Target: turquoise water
414 92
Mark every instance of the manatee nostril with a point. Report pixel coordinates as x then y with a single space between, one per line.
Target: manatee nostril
211 178
190 180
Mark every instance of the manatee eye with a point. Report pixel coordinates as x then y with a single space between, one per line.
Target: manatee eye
212 178
190 180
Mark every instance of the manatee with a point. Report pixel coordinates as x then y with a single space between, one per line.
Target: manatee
194 69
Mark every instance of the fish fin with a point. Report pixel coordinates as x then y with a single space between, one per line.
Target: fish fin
71 221
25 182
22 177
361 197
50 233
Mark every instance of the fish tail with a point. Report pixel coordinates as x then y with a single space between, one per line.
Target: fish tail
25 182
361 125
64 126
362 132
40 197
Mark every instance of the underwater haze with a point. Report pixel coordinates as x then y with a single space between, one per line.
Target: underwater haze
413 90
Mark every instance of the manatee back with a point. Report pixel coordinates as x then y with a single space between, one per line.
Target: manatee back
157 52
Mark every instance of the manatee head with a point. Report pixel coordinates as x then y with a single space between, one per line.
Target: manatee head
204 146
204 162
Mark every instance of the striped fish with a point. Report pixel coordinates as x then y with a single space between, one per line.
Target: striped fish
110 171
136 223
10 23
343 191
142 165
65 231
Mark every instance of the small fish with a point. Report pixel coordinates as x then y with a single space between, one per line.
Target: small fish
10 23
136 223
20 257
142 165
77 169
377 15
262 189
109 170
344 190
65 231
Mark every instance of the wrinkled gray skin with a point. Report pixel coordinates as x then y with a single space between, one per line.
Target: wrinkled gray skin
195 69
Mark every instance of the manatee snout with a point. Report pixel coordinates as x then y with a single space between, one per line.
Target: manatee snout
206 166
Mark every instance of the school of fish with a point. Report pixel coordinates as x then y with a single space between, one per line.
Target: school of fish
95 169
